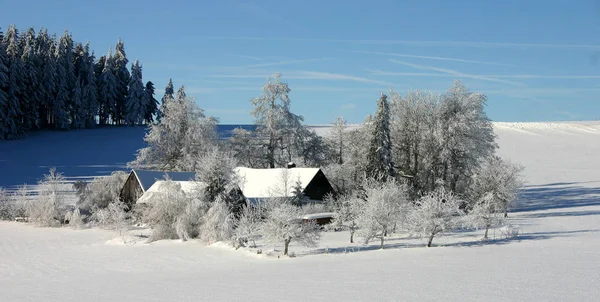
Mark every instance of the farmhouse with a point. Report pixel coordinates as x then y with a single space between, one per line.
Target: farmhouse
140 181
258 184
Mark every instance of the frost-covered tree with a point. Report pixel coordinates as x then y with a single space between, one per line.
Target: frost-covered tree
243 144
497 182
346 208
215 169
101 191
164 212
150 108
434 213
467 136
379 156
217 224
178 140
283 224
298 197
136 97
169 95
337 139
385 204
74 218
47 209
247 227
276 125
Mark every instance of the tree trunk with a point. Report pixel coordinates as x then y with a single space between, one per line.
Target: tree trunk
485 236
286 245
506 213
430 239
381 245
351 237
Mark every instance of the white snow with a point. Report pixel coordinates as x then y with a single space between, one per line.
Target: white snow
556 257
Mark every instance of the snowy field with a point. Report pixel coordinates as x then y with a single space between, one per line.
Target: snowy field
555 258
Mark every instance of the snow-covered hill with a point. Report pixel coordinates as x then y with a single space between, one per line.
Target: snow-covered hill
556 257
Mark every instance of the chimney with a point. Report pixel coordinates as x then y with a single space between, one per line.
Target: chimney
291 165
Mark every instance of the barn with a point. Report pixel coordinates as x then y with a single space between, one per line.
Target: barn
258 184
140 181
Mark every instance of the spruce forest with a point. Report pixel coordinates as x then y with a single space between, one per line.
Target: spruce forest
50 82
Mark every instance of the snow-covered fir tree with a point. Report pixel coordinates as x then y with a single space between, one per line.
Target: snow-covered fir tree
169 95
108 92
122 77
30 96
15 87
65 81
9 108
150 104
136 97
379 156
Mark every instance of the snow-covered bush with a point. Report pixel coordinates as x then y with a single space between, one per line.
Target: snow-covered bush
75 218
172 214
217 224
485 213
283 224
101 191
48 208
114 216
385 205
6 206
510 231
247 227
435 213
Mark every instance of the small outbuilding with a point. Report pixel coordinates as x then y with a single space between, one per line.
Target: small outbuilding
140 181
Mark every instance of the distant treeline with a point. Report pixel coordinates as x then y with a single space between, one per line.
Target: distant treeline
56 83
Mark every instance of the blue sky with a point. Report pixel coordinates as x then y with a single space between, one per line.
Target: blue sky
535 60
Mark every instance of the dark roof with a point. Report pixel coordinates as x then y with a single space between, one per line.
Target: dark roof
147 177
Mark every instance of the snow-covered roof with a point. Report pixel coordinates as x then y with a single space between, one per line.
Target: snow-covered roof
319 215
148 177
158 189
278 182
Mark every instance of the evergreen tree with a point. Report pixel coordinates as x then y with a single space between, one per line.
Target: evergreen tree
135 97
8 108
44 52
122 76
77 109
169 95
89 88
30 96
151 104
108 92
65 82
16 74
379 156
